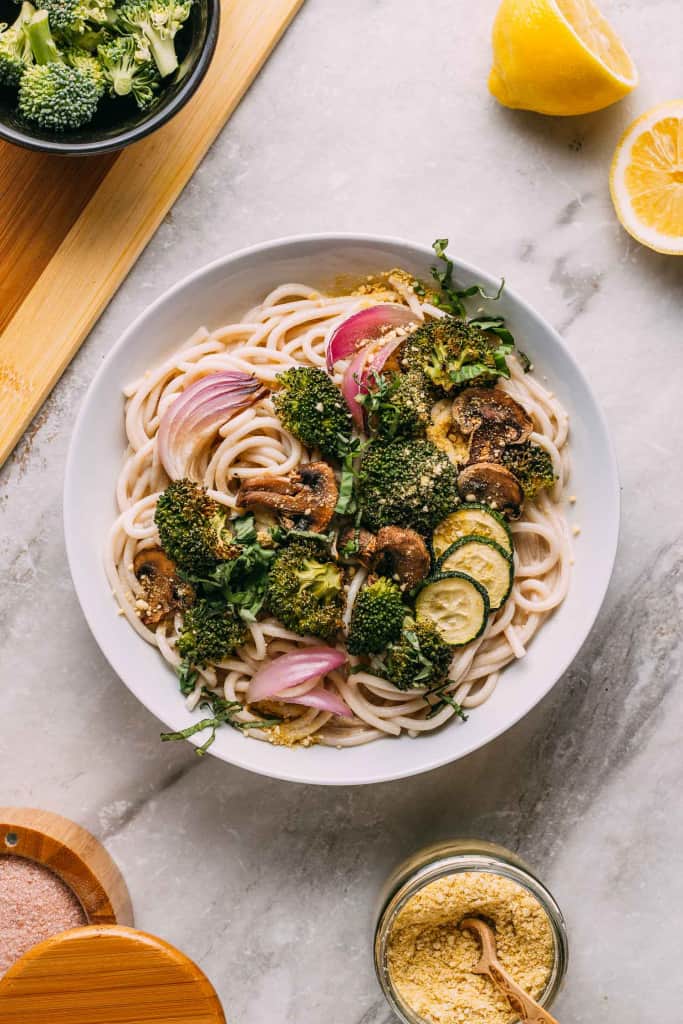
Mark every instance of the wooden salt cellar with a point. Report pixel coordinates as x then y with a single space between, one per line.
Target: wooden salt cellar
105 972
73 855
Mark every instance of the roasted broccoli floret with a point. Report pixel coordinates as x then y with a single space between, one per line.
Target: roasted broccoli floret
406 483
313 409
421 657
15 49
127 72
305 590
452 352
51 92
193 529
377 617
76 16
399 404
532 466
210 632
157 22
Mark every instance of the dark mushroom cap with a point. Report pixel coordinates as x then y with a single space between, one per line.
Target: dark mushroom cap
365 544
492 419
304 500
492 484
401 554
163 591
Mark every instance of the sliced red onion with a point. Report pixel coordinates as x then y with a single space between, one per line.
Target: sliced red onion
291 669
357 376
354 384
323 700
360 328
193 419
377 361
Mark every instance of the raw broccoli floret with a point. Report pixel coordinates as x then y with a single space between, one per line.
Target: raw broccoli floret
58 97
452 352
210 632
421 657
193 528
76 16
377 617
77 58
87 40
313 409
51 92
305 591
157 22
532 466
406 483
15 49
127 73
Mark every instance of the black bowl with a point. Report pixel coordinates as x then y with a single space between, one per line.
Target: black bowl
119 122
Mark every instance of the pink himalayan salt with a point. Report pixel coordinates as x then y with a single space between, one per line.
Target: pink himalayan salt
34 904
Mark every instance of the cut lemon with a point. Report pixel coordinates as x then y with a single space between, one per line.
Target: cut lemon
646 180
558 57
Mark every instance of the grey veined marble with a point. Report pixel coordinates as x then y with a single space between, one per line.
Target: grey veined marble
373 115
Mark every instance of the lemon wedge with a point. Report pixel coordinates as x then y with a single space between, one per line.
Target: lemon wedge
646 179
558 57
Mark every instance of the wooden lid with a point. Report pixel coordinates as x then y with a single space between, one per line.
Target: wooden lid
73 855
107 975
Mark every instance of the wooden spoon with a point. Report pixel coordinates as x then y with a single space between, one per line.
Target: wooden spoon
521 1002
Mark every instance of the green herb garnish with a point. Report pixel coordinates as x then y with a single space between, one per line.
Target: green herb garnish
444 699
223 712
240 581
187 677
451 297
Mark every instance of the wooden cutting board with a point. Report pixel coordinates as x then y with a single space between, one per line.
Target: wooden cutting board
72 227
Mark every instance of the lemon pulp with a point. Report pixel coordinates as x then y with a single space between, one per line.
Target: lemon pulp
646 179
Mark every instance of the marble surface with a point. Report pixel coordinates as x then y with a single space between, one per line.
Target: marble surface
374 116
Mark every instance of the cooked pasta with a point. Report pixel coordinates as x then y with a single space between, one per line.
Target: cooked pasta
290 328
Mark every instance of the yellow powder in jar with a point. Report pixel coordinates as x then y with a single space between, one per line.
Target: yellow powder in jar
430 960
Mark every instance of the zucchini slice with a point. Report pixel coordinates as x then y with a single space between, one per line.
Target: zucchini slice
486 562
457 605
471 519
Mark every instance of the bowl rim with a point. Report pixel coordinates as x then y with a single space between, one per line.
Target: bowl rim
157 118
610 483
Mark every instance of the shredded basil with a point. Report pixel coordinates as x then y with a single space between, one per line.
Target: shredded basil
451 298
223 712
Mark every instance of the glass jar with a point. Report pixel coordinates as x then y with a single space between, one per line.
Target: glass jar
448 858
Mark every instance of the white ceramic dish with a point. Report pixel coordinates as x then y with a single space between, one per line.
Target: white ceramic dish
222 292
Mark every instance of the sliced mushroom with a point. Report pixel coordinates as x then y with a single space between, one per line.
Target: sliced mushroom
492 420
164 592
304 500
401 554
364 543
492 484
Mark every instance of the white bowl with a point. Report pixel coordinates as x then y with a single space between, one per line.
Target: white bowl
222 292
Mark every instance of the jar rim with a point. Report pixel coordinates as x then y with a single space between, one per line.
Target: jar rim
459 863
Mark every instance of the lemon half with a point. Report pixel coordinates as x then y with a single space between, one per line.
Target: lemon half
558 57
646 179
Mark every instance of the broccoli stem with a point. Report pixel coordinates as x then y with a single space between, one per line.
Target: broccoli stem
25 14
163 52
122 80
40 37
